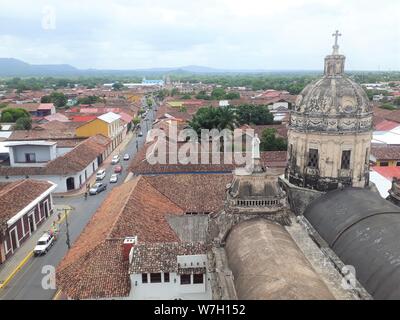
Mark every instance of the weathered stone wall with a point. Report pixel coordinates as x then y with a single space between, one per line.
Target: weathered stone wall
299 198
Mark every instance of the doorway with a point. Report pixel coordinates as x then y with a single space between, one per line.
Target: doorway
70 183
31 223
46 209
14 239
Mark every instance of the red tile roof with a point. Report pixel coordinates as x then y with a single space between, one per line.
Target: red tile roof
95 267
15 196
386 125
188 190
45 106
84 118
387 152
388 172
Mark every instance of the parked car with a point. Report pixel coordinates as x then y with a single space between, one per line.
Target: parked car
115 159
126 156
97 188
100 175
140 134
44 244
118 169
114 178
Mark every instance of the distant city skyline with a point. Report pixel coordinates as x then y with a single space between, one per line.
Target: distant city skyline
224 34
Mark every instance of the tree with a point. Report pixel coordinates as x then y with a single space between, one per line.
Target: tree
232 95
136 121
388 106
186 96
252 114
161 94
202 95
174 92
12 115
218 94
213 118
396 101
6 117
269 141
45 99
89 100
24 123
117 86
59 99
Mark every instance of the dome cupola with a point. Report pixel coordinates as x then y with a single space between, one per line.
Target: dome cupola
334 102
330 131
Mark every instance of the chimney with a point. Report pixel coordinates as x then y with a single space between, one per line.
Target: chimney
129 242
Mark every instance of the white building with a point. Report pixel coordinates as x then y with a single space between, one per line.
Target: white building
168 271
39 160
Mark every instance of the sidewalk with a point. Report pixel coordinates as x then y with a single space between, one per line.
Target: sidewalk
105 163
23 254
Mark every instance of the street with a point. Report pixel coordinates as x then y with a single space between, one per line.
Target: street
27 283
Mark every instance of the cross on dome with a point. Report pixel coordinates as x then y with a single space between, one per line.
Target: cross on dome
336 46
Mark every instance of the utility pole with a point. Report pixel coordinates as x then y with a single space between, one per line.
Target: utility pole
68 242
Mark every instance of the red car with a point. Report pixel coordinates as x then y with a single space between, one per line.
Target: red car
118 169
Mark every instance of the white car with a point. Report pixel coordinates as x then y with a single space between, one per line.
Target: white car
100 175
126 156
115 159
44 243
140 134
114 178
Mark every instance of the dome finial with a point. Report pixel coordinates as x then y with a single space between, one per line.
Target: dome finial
336 46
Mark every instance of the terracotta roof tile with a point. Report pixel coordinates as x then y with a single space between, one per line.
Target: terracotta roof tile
162 257
386 152
199 193
71 162
94 267
15 196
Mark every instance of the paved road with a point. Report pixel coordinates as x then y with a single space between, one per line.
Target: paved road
27 284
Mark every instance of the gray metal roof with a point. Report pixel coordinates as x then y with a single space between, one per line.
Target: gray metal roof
364 231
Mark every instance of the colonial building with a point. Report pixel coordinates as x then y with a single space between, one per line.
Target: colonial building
330 131
254 255
108 124
68 168
327 181
25 204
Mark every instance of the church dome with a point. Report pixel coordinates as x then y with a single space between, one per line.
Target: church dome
333 103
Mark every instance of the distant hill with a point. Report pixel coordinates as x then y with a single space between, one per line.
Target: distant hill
10 67
14 67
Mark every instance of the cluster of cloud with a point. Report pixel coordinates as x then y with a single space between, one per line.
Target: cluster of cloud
230 34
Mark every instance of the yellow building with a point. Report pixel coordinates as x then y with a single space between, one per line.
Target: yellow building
108 124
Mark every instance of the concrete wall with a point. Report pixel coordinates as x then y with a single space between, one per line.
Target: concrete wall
62 151
43 154
60 181
169 290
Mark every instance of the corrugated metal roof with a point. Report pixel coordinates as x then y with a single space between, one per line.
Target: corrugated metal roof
109 117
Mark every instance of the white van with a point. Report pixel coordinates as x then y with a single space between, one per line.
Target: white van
100 175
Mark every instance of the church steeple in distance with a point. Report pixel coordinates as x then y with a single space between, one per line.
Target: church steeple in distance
334 63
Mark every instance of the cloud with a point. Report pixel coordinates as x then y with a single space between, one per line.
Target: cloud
285 34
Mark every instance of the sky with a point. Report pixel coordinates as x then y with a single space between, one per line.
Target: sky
228 34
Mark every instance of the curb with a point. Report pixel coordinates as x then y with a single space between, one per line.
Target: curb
57 295
15 271
24 261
